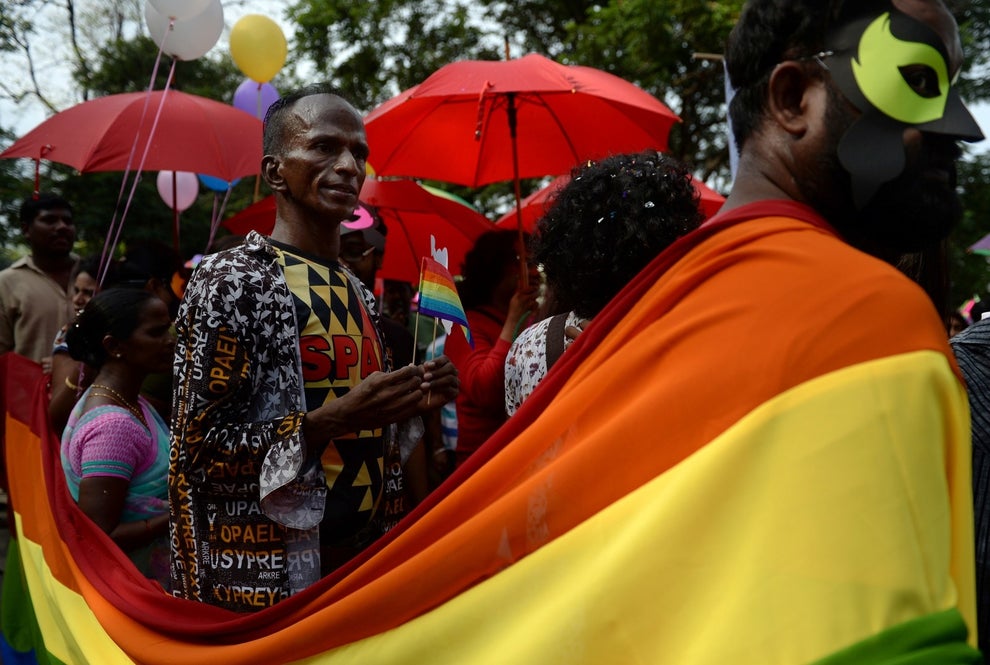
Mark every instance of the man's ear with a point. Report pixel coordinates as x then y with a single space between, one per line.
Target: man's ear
271 171
790 97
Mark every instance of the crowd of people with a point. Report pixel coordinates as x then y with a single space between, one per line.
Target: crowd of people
250 435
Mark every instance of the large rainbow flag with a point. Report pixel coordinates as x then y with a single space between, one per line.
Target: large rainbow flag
628 513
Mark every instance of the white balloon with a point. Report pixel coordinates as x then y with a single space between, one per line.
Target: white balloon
186 188
179 9
189 38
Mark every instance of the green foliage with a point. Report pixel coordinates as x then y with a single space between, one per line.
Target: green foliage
95 197
969 271
373 50
126 66
973 17
654 45
13 24
15 185
539 26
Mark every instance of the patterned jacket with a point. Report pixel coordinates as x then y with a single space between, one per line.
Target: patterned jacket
245 510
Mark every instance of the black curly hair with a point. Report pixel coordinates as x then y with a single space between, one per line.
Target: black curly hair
608 222
115 312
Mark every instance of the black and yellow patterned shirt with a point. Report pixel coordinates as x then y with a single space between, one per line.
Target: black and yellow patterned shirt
339 346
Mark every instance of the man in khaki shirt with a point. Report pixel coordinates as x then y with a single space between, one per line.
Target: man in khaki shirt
35 294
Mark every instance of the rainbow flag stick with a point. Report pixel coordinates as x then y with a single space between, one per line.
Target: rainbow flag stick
429 394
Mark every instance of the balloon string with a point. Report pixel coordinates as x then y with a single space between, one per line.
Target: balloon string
144 156
257 176
106 255
217 216
175 212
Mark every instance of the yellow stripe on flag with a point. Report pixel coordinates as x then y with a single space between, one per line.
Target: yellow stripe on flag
71 631
732 555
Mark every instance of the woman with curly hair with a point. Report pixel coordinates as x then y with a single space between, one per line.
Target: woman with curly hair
603 227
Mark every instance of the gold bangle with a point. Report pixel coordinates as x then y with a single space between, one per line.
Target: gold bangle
70 384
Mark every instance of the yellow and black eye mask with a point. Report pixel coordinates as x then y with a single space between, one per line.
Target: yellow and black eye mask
895 70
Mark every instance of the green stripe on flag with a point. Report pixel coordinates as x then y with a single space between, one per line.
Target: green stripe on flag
18 623
934 639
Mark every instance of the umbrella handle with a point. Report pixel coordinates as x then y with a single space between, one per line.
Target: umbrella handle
481 110
523 263
45 149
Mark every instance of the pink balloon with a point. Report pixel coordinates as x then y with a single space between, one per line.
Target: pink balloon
186 188
255 98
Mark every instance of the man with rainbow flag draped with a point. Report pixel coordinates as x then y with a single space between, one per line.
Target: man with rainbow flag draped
793 399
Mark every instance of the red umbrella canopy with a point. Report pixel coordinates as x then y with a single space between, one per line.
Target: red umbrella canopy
111 133
411 215
259 216
537 203
456 126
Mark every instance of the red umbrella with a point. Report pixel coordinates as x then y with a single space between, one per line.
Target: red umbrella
467 120
476 122
411 214
110 134
534 205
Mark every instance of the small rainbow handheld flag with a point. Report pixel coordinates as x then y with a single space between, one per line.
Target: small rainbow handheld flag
438 296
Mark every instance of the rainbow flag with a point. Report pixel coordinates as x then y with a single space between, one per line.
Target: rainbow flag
761 517
438 296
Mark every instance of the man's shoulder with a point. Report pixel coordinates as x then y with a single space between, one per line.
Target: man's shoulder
15 267
796 258
17 272
245 271
975 335
244 259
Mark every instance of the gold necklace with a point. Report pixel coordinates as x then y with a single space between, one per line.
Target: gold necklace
107 391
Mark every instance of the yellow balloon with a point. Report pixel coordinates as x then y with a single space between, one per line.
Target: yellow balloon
258 47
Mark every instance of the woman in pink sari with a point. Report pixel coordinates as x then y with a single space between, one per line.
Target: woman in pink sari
115 445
